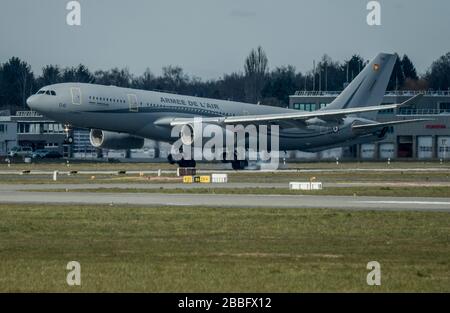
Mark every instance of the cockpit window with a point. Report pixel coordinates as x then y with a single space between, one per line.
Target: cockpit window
47 92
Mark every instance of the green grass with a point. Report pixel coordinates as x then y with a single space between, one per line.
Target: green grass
375 191
347 176
86 179
221 250
410 174
242 177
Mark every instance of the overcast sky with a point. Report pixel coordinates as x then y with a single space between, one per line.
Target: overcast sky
211 37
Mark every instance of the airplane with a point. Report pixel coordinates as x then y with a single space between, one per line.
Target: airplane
121 118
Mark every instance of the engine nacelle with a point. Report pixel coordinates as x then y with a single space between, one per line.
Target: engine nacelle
116 141
189 134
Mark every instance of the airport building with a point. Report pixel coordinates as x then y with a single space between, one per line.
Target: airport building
38 132
29 129
420 141
8 134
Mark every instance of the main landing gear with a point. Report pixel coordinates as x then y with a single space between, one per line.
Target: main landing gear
182 162
239 165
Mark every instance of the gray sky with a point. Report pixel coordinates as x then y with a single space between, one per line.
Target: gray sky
211 37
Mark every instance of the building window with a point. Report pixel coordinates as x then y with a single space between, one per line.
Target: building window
306 106
34 129
23 128
444 106
389 111
301 106
3 128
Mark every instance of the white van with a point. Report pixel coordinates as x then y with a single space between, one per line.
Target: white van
20 152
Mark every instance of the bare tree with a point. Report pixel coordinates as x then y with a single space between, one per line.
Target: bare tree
256 68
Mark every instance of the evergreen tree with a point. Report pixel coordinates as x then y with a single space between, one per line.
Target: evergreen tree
409 70
51 74
17 83
439 74
397 79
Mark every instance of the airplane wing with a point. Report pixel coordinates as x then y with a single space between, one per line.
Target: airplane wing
299 116
375 126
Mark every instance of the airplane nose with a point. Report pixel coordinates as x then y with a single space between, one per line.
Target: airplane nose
31 101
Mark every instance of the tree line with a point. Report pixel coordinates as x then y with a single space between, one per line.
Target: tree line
255 84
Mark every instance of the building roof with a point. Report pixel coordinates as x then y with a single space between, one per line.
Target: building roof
395 93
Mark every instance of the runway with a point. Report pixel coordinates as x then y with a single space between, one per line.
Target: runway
233 185
17 194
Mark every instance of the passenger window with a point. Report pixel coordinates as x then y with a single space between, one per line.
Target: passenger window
47 92
53 93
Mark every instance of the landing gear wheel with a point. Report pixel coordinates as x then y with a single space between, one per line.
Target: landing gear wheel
239 165
190 163
171 160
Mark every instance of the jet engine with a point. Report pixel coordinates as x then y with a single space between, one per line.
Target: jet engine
116 141
187 134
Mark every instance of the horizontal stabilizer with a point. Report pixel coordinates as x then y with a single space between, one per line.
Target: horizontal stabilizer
411 101
375 126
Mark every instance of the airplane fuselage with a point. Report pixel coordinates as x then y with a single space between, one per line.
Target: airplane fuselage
137 112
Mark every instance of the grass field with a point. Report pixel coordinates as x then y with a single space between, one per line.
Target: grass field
223 250
372 191
243 177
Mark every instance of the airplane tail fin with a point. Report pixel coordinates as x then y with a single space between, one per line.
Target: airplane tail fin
369 87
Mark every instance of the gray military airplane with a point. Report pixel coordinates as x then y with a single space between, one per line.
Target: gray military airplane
120 118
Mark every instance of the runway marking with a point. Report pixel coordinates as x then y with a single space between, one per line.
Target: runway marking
406 202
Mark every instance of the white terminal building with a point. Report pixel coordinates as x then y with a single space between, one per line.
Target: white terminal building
419 141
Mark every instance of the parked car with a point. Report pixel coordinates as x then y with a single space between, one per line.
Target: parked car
20 152
46 154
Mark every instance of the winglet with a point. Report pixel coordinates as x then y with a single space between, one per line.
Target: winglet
411 101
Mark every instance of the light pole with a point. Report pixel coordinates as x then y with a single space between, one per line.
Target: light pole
444 142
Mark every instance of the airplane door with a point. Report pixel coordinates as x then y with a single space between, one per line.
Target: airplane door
133 103
76 95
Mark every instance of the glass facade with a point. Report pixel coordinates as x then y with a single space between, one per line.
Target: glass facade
306 106
40 128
